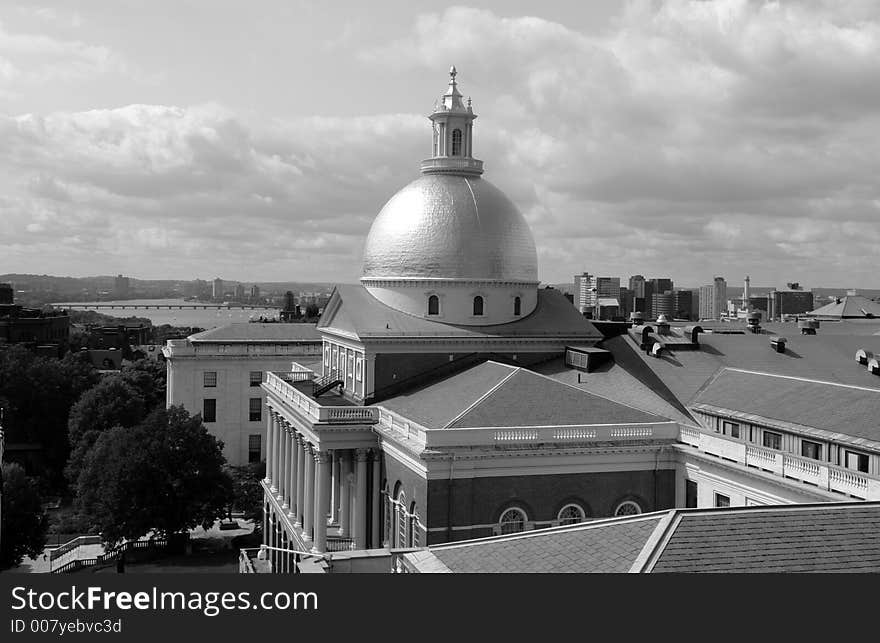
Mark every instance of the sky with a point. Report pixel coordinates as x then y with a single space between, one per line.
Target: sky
176 139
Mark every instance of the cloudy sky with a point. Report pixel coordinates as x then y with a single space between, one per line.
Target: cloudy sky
257 140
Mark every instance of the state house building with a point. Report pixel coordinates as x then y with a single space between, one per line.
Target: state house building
450 403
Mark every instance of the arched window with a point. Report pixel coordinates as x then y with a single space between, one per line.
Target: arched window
478 306
628 508
402 536
517 306
513 520
433 305
414 526
570 514
456 142
387 507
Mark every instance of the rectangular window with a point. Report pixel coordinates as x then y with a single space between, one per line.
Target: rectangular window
811 450
857 461
690 493
255 409
210 379
772 440
731 429
360 369
721 500
209 410
255 447
256 378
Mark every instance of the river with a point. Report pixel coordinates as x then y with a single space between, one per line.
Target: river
210 318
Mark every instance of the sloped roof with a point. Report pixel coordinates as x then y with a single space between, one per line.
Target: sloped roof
824 537
849 307
274 333
678 376
355 312
606 547
850 410
496 395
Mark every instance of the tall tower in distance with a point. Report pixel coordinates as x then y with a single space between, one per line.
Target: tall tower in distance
746 297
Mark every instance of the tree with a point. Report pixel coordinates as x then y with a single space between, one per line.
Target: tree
112 402
311 311
24 524
148 377
165 475
247 493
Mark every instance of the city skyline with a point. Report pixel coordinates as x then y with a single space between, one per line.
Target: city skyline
652 138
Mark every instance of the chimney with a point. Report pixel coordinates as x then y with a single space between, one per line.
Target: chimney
808 326
778 343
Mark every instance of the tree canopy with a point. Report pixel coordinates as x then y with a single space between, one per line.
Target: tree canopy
148 377
24 524
165 475
247 491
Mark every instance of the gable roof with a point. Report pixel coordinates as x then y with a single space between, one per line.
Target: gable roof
495 395
838 408
274 333
352 311
822 537
849 307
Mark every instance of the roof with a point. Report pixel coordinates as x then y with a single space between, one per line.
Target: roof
824 537
496 395
678 376
851 306
608 548
354 312
274 333
838 408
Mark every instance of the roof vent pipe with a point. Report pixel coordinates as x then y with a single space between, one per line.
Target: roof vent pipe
874 366
863 356
778 344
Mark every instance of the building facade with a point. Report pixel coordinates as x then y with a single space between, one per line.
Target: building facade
713 299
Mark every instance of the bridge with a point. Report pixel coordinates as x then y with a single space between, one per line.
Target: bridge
167 307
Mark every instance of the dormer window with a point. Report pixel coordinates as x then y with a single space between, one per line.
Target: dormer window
456 142
517 306
478 306
433 305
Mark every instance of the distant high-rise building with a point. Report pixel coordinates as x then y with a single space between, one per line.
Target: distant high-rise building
582 295
589 289
713 299
255 293
662 303
217 291
239 292
789 301
626 300
682 303
121 287
637 285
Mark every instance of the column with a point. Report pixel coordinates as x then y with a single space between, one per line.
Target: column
376 539
274 453
308 493
285 465
279 474
344 494
300 480
360 506
294 465
322 496
269 472
334 487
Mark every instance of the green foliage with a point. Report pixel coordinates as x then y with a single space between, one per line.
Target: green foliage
37 393
147 376
247 494
24 524
311 311
165 475
110 403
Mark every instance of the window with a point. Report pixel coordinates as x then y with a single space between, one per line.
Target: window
811 450
690 493
256 378
255 451
433 305
402 522
478 306
772 440
209 410
456 142
570 514
360 368
857 461
517 306
210 379
730 428
628 508
512 520
721 500
255 407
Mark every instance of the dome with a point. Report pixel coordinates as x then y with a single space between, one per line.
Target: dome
448 226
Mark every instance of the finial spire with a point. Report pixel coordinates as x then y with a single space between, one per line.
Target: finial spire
452 73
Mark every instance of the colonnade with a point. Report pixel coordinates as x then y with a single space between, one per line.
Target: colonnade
317 488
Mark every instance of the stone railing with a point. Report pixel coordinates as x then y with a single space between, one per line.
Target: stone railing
452 164
823 475
279 384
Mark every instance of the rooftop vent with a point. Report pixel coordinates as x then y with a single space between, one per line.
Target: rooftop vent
637 318
663 325
863 356
693 332
778 344
656 349
808 326
874 366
